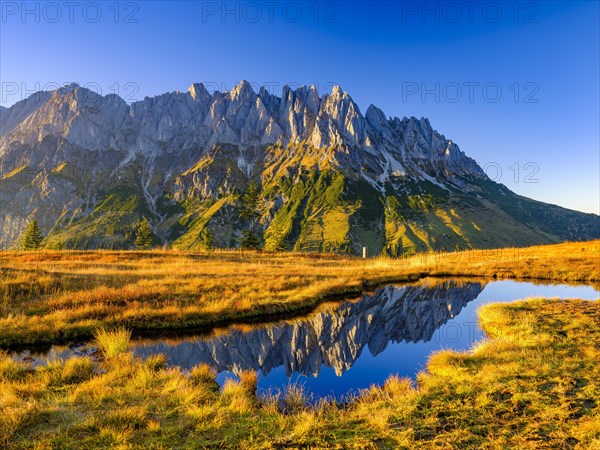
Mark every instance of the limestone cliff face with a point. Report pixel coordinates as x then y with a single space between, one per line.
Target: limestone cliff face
87 167
185 125
334 338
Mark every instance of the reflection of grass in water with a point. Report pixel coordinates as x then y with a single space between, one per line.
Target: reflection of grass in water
62 295
534 383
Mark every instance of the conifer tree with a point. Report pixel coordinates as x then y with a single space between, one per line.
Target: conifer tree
32 238
250 210
207 239
249 240
144 237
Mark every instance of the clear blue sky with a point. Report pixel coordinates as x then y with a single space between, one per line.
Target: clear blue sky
542 58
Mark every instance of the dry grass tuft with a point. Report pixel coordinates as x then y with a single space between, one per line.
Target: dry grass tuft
112 343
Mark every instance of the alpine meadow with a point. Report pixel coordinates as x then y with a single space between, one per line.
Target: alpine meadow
277 262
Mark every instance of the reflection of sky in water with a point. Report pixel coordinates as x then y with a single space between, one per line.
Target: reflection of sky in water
407 359
390 314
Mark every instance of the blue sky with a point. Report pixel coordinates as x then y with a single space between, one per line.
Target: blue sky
515 85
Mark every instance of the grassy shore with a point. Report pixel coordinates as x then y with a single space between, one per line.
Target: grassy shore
533 384
53 296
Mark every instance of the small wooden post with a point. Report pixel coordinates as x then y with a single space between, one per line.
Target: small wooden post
365 252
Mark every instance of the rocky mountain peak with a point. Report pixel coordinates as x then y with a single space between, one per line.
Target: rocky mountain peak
286 92
242 91
68 88
337 91
17 113
199 92
376 117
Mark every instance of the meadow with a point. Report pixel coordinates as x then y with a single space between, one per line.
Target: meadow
61 296
532 384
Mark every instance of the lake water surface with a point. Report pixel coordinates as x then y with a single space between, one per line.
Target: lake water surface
348 346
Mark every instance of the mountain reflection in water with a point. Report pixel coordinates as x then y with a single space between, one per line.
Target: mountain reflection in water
331 338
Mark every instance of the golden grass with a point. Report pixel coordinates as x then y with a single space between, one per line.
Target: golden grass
533 384
53 296
112 343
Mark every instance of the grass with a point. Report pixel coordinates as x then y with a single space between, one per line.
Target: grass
533 384
112 343
58 296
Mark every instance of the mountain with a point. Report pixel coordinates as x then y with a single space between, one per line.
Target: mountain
88 168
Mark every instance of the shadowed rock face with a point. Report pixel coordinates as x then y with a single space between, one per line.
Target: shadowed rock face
334 338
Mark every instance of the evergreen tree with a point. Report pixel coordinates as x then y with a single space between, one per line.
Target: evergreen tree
250 240
250 210
32 238
144 237
207 239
